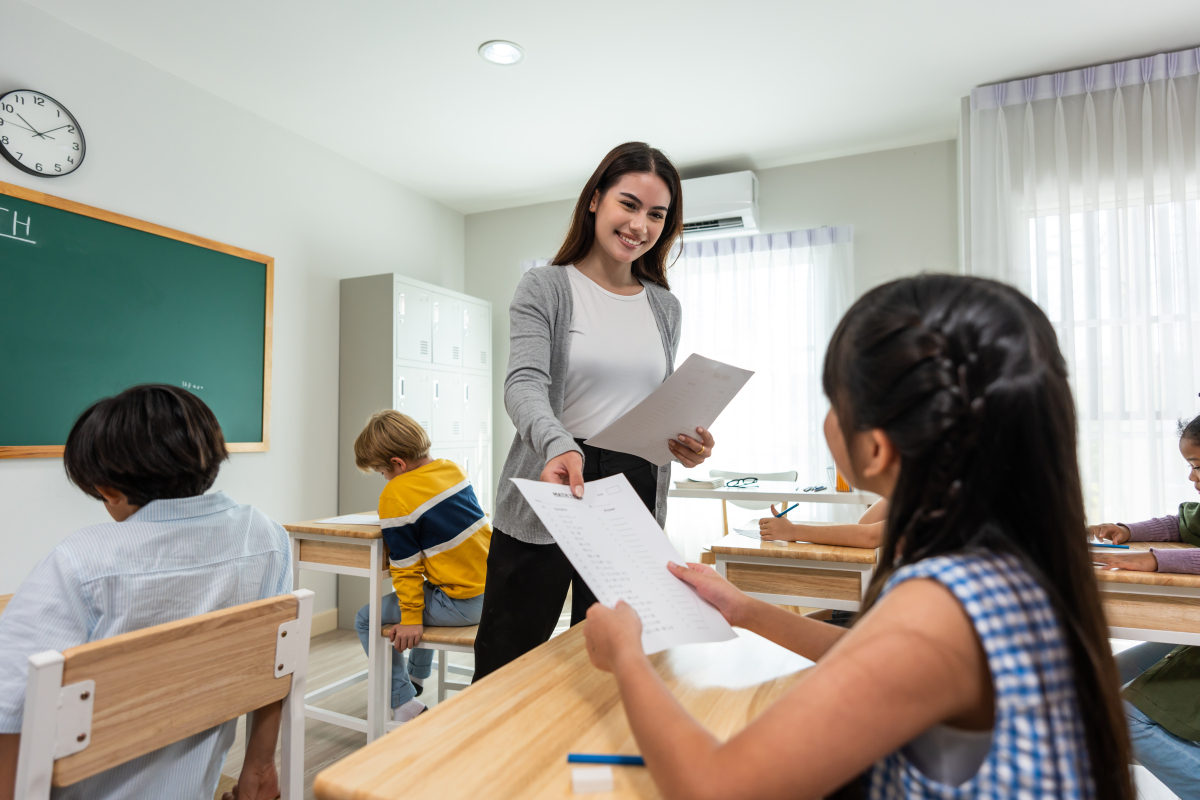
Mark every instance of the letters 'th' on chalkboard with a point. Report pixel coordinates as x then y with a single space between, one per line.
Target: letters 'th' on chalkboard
93 302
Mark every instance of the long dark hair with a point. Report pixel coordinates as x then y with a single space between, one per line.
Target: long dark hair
965 377
622 160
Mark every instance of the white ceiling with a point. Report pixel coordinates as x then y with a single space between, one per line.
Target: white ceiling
397 85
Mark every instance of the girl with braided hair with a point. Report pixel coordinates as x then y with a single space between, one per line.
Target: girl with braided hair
980 666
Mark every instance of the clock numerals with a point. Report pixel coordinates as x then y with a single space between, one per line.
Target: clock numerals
54 141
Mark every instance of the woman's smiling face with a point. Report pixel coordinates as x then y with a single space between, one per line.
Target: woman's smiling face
630 215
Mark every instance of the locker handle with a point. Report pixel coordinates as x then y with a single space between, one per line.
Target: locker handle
402 388
435 390
402 304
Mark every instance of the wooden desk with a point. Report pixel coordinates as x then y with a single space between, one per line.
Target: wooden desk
800 574
356 550
509 734
1151 606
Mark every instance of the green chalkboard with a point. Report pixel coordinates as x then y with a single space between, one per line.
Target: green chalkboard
92 302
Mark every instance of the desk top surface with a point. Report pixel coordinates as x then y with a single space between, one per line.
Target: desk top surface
329 529
1148 578
508 736
736 544
777 491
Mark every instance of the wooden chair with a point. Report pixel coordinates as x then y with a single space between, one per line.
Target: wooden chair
444 641
753 505
101 704
4 598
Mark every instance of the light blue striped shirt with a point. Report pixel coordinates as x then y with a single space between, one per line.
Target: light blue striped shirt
171 560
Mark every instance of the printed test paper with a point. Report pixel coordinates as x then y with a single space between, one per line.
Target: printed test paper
692 396
621 553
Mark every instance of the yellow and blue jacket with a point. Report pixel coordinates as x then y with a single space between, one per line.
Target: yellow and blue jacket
434 529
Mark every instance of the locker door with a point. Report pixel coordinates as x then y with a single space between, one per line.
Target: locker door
477 408
448 452
414 320
447 330
477 336
447 407
414 395
481 476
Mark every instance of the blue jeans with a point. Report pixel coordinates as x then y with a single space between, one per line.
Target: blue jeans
1174 761
440 611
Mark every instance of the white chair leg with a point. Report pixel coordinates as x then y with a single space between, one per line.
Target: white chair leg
291 726
39 729
442 658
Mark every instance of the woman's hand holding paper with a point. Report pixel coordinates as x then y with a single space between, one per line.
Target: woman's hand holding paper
692 452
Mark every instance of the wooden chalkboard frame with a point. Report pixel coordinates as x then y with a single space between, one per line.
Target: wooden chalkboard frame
41 198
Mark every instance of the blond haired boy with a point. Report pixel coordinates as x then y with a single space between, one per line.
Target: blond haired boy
437 537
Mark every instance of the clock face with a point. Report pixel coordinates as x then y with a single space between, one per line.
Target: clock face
39 136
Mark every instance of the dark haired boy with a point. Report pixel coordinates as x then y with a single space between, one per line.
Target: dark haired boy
172 552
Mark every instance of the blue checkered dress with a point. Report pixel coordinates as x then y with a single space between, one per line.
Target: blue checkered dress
1038 749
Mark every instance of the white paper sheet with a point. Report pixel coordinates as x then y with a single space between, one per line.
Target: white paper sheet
621 553
693 396
354 519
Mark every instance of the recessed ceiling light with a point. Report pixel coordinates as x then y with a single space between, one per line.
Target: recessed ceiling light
501 52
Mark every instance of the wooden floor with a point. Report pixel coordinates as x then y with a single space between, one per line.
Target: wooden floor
332 656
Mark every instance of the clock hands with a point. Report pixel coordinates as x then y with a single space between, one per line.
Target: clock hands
31 130
52 130
35 133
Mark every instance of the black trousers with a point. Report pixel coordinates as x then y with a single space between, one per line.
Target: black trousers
527 583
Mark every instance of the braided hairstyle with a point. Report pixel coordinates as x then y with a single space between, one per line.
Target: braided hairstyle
965 377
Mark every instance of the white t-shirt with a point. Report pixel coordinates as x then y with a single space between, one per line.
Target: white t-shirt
616 358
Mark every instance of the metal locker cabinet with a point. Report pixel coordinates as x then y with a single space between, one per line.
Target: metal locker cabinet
449 453
447 406
414 323
414 395
447 330
477 408
477 336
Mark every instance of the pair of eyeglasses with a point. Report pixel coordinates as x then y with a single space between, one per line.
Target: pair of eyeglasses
815 489
741 483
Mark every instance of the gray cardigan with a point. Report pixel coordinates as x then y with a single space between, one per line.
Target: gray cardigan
539 322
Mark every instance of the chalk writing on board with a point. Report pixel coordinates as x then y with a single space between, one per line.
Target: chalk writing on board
189 385
18 225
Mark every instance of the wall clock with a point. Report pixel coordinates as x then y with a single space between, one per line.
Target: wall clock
38 135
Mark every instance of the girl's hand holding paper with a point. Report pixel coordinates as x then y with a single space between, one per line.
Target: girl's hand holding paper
610 633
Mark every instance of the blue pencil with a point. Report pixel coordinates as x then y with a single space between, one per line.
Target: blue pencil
786 510
588 758
1114 546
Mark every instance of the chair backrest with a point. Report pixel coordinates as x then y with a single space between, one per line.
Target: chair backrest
101 704
4 598
762 476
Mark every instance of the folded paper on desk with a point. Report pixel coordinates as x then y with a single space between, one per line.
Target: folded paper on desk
621 554
692 397
354 519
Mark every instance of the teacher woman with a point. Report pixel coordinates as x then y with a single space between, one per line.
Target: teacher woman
591 336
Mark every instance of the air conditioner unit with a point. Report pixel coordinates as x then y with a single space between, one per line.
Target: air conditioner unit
720 205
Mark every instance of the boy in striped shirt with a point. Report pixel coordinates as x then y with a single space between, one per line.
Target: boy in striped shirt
437 537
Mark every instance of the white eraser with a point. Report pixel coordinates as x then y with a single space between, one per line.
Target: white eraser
587 780
781 544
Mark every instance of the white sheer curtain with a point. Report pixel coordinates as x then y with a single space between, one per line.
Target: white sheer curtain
767 303
1080 189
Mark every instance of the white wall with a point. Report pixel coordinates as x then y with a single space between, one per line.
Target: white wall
902 203
162 150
